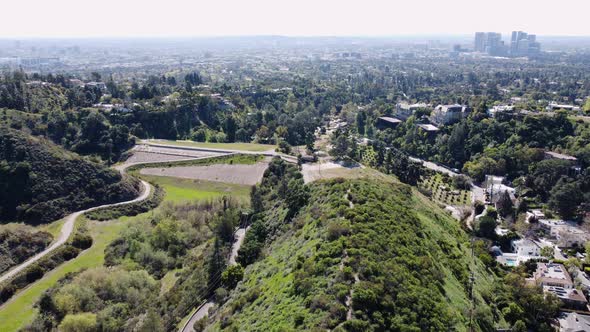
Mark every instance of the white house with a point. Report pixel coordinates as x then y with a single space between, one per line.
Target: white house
565 233
526 247
448 114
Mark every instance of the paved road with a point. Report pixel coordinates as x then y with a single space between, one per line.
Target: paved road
66 231
434 167
203 310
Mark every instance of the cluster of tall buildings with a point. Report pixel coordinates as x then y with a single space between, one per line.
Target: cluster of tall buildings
490 43
521 44
524 44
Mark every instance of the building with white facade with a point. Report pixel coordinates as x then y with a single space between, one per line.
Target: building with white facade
526 248
449 114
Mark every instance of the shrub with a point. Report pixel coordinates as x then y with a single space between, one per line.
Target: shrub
232 275
82 241
33 273
84 322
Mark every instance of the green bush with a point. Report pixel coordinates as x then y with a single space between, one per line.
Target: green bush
133 209
82 241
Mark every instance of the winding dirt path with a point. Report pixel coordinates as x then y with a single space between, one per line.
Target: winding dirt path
68 227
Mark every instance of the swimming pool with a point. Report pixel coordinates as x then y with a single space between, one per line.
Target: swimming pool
511 262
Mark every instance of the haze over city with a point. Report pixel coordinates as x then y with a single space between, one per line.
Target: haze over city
113 18
313 165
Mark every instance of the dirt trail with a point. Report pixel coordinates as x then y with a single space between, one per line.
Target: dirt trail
345 257
66 231
203 310
70 220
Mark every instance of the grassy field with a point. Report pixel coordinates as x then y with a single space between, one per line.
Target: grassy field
20 311
53 228
252 147
169 280
179 190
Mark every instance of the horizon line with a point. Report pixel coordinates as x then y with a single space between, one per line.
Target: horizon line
180 36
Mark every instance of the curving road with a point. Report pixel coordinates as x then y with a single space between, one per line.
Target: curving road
68 228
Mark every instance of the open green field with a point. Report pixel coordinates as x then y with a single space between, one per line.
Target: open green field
20 311
252 147
179 190
53 228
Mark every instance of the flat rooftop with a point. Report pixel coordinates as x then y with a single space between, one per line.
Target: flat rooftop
551 272
390 119
428 127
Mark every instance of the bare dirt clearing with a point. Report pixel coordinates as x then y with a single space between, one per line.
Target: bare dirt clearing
327 170
331 170
236 173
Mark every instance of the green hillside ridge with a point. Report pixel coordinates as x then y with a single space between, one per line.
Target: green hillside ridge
41 182
412 261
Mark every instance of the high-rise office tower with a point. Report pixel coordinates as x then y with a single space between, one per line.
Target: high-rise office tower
480 45
490 43
523 44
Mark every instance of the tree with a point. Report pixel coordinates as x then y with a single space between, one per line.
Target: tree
230 128
486 227
95 76
256 200
340 146
519 326
361 119
284 147
296 195
565 198
84 322
249 251
152 322
504 205
461 182
232 275
547 252
215 265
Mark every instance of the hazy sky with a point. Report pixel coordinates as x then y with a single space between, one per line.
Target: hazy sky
85 18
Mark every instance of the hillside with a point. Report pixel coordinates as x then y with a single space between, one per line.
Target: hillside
41 182
19 242
362 255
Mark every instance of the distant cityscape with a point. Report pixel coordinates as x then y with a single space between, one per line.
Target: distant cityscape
522 44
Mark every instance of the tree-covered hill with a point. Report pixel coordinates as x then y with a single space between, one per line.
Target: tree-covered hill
41 182
360 256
